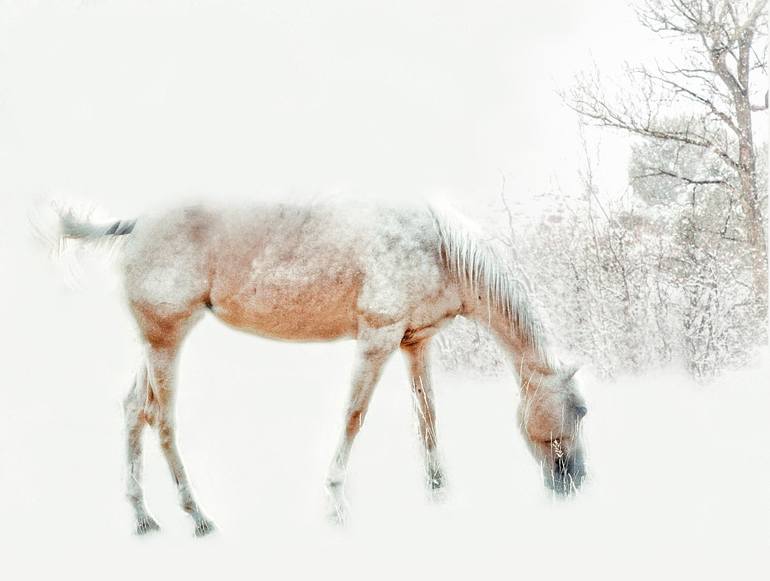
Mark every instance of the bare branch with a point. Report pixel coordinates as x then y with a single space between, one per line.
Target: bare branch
593 108
679 88
685 179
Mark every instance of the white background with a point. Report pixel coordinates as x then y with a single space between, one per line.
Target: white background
134 105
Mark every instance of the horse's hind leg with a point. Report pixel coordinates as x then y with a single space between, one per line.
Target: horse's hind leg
136 419
163 330
161 362
373 348
422 391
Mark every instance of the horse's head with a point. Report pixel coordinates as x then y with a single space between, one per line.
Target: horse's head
550 416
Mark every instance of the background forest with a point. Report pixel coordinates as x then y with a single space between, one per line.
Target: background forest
674 267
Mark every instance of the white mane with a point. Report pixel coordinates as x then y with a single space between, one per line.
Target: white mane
482 271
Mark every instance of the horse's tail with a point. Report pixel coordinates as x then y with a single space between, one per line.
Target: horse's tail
54 226
71 226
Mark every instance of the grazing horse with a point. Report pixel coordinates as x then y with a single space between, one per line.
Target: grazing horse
387 276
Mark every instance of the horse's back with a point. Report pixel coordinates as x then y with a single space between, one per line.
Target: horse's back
306 272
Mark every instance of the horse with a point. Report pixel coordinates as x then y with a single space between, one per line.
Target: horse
388 276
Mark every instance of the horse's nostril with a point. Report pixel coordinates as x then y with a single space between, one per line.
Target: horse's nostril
581 410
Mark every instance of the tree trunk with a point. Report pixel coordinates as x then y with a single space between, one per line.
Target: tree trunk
755 227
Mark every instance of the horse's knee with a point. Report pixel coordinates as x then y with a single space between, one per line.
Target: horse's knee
166 434
149 413
137 417
135 421
140 407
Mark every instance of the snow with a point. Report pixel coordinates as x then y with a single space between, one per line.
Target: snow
679 481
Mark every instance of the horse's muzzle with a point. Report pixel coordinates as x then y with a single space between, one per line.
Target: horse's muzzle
566 475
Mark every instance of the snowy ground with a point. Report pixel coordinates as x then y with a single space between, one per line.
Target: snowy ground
680 484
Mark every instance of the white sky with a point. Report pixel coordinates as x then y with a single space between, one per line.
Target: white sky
127 103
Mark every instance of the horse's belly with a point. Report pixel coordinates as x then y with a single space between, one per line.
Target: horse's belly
286 324
291 307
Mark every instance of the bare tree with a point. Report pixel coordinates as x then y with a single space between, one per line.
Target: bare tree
700 104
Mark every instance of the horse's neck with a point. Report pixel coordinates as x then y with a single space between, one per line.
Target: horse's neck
528 355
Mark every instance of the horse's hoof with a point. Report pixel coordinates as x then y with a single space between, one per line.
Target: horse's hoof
204 527
435 486
435 479
146 525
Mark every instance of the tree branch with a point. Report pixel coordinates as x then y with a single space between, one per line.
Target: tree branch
601 113
685 179
699 98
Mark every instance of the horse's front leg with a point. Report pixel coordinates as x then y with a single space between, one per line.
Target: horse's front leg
422 391
374 347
